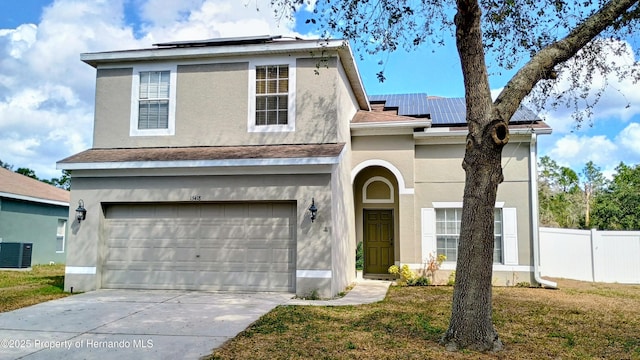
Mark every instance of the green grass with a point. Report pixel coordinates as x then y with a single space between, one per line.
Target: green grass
579 321
19 289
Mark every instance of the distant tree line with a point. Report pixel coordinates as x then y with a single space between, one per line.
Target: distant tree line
588 200
62 182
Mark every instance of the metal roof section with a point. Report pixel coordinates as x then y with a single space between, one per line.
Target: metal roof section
441 111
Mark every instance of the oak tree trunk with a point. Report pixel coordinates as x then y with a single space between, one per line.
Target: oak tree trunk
471 323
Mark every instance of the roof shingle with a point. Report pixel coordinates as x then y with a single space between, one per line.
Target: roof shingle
205 153
18 184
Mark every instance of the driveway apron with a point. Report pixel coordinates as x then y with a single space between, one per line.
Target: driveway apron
131 324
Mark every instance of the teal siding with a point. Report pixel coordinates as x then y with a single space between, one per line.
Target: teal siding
31 222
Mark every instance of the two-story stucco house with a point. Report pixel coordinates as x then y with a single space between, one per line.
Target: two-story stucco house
207 156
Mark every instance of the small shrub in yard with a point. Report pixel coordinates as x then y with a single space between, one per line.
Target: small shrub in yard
452 279
420 281
406 275
433 264
359 257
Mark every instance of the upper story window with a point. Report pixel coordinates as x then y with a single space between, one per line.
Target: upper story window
272 102
272 92
153 101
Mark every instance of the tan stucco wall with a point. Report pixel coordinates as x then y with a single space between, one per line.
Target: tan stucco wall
440 178
212 106
314 240
343 250
347 105
435 174
113 108
399 150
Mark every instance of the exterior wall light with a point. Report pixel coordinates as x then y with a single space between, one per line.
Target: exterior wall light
81 212
313 209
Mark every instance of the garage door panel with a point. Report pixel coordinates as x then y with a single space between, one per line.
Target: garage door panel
222 255
244 247
224 231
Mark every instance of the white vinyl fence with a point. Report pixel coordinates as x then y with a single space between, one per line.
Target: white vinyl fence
590 255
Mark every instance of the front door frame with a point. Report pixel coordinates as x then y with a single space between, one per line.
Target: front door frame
379 273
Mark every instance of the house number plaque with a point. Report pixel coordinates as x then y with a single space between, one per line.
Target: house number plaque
196 198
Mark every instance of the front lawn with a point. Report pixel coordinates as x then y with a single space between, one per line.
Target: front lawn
24 288
579 321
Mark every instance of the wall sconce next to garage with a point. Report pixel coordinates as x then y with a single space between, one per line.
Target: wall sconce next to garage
81 212
313 210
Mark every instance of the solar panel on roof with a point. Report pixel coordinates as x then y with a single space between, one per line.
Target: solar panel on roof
442 111
407 104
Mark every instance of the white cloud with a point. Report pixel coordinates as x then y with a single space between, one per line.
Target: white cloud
575 151
629 139
214 18
619 100
47 94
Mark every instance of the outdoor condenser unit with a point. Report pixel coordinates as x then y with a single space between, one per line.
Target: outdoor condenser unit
15 255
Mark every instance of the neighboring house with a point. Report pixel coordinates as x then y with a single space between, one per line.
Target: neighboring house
34 212
207 156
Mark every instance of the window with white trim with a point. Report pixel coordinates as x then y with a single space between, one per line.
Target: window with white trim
153 101
448 233
60 235
272 95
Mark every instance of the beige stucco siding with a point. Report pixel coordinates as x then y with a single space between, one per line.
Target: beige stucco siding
343 226
313 241
113 108
212 106
397 150
440 178
347 105
393 158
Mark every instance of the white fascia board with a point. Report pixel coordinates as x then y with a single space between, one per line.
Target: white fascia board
156 54
396 124
546 131
381 128
199 163
351 69
33 199
446 135
440 132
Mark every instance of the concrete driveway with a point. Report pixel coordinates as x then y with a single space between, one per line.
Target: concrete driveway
131 324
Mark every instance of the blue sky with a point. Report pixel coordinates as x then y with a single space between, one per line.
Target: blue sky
47 93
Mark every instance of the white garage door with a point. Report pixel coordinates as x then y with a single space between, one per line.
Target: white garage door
225 246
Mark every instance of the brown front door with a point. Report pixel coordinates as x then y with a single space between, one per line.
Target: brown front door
378 241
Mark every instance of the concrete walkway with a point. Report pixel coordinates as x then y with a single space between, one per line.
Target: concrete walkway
364 292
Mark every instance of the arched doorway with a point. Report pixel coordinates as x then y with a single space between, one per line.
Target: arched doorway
376 210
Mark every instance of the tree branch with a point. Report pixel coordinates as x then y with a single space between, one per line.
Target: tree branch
541 66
